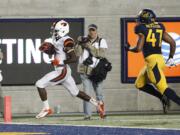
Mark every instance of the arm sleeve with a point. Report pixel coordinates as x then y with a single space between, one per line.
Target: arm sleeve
69 42
69 50
162 26
139 29
68 45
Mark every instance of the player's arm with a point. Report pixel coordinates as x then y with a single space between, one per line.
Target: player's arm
71 56
69 50
139 46
167 38
47 48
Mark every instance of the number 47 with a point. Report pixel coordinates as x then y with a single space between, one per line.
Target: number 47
151 37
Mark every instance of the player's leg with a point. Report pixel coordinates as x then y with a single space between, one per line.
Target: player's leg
70 85
150 89
172 95
162 86
155 73
43 95
49 79
141 84
165 90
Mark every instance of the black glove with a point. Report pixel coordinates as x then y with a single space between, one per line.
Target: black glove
127 46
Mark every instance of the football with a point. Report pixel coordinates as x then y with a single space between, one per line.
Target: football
47 48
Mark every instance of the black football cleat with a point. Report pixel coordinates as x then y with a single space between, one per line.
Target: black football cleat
165 103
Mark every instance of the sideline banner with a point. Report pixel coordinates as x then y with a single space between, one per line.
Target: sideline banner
132 63
20 39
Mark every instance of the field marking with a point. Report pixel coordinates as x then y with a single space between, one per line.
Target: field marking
141 120
99 126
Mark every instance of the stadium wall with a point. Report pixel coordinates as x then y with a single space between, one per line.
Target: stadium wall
106 14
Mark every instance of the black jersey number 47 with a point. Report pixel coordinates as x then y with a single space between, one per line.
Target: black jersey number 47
154 36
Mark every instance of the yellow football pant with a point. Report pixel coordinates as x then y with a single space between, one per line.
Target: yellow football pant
152 72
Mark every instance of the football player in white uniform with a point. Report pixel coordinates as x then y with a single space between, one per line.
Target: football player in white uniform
61 46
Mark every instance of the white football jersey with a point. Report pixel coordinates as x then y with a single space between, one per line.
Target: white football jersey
59 46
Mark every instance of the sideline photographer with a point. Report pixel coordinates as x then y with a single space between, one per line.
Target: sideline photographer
92 51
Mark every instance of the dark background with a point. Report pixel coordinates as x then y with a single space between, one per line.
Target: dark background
28 74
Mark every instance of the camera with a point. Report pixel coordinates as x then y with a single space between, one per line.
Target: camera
88 61
83 40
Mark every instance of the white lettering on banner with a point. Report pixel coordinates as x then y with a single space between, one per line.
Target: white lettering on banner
9 43
1 50
20 51
33 51
27 51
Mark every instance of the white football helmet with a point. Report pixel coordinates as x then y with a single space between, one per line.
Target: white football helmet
60 29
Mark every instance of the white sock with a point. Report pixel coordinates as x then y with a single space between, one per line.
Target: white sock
93 101
46 104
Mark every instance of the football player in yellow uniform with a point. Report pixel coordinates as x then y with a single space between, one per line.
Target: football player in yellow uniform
151 78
